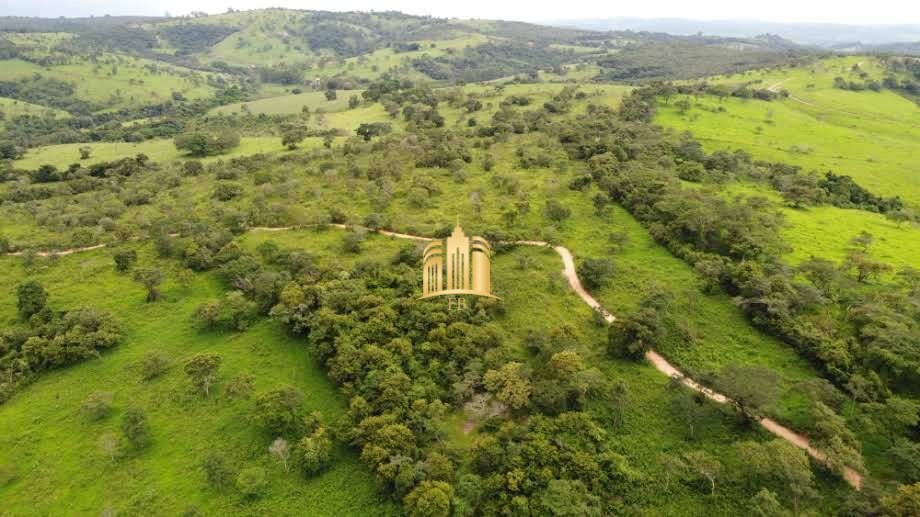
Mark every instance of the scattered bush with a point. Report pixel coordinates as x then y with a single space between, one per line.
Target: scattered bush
97 405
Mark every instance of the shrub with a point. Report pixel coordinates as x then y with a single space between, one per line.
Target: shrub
280 410
227 191
124 260
252 481
217 471
97 405
135 428
31 298
315 452
153 364
595 272
192 168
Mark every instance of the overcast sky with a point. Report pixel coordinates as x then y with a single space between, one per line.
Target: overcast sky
875 12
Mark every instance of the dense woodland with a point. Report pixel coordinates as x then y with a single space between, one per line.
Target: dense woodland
554 435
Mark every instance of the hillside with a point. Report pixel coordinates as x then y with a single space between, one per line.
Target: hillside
212 232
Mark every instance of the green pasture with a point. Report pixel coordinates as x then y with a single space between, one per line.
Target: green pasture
292 104
872 136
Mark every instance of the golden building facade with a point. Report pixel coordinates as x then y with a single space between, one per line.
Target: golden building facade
457 265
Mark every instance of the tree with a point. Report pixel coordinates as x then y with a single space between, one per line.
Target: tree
108 445
632 336
280 410
556 211
85 152
766 504
216 470
135 428
368 131
900 216
905 502
704 466
673 467
31 298
510 384
281 450
124 260
97 405
153 364
595 273
315 452
429 499
822 273
683 105
225 191
800 189
292 137
897 415
351 243
865 267
241 386
150 278
10 151
750 387
688 407
778 463
565 497
252 482
331 95
200 143
202 370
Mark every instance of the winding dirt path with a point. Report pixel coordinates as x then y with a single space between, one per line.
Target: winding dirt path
775 86
569 272
58 253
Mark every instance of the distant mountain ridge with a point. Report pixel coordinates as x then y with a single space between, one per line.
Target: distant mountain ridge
281 45
827 35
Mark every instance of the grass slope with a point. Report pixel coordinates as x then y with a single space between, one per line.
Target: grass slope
161 150
871 136
51 448
292 104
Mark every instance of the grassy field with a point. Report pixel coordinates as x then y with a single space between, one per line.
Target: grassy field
118 81
52 451
825 231
292 104
61 462
14 108
871 136
378 62
707 332
162 150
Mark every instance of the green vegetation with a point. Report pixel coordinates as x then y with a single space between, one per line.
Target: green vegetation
291 104
222 331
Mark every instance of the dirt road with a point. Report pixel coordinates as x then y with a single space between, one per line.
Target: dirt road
569 272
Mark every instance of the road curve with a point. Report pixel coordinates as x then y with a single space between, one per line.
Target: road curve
569 272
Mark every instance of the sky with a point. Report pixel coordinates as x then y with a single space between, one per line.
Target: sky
824 11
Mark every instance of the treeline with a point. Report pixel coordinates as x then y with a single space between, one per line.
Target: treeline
742 91
491 61
188 38
47 91
736 245
163 120
902 65
689 59
113 38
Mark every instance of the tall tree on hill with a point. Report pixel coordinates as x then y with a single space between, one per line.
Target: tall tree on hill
31 298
